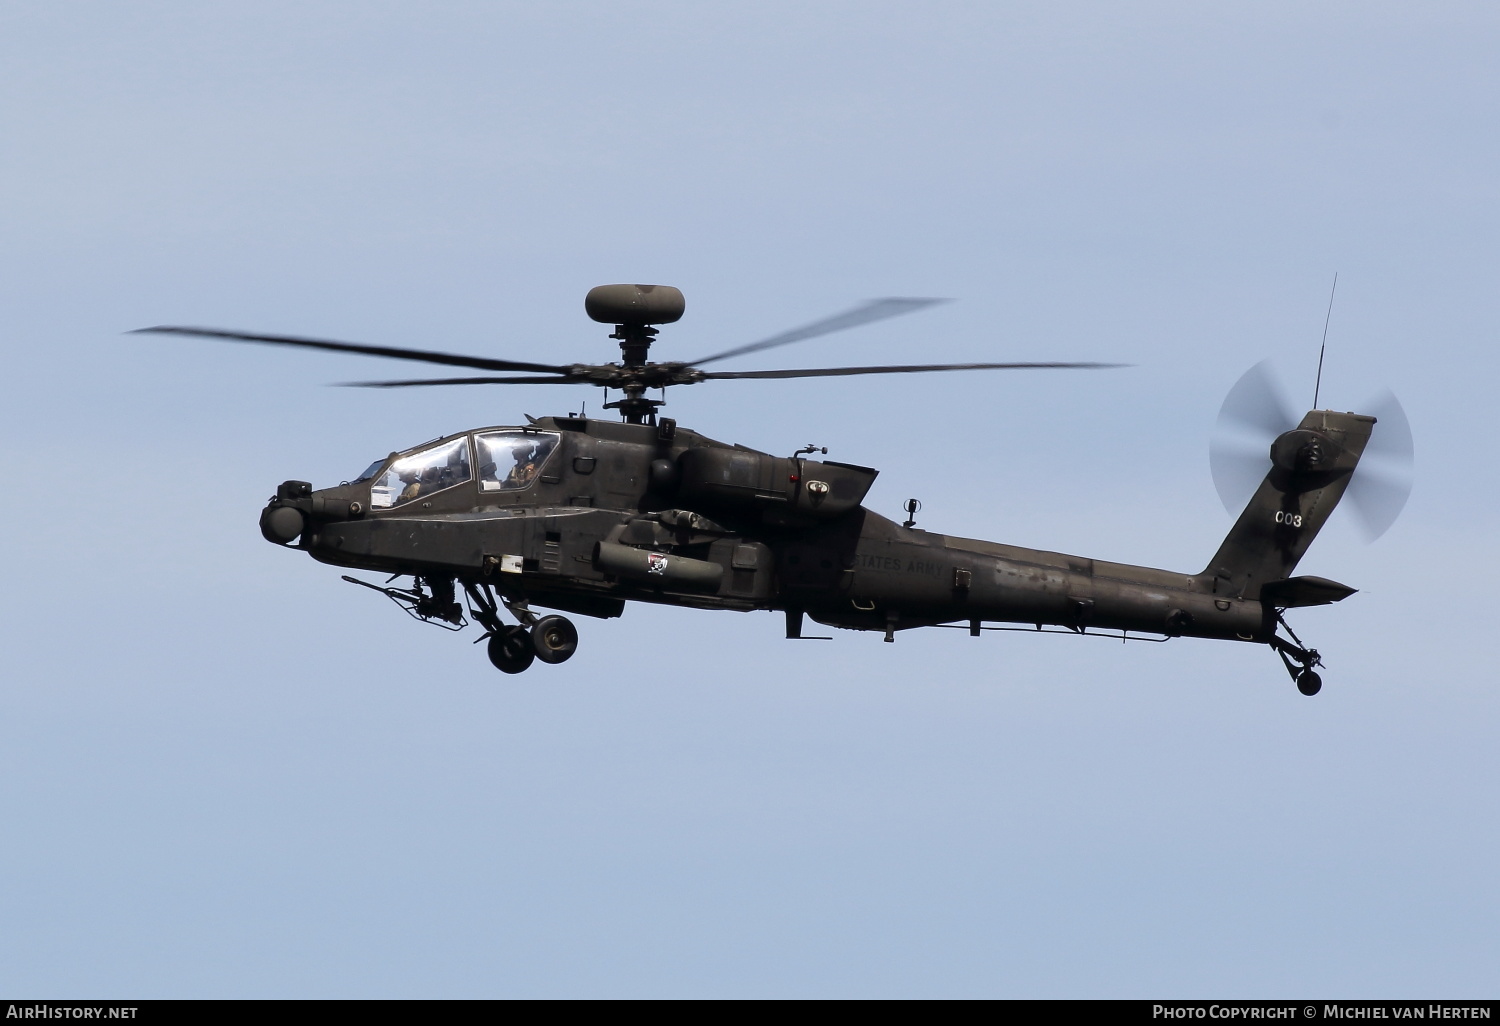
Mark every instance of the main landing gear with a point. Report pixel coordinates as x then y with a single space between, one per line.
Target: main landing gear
1298 660
511 647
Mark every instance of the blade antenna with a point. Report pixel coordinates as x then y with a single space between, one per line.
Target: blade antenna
1318 385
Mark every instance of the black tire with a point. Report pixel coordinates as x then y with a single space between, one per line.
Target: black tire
510 649
1309 683
554 638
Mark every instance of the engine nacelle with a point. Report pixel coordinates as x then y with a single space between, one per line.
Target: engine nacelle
738 479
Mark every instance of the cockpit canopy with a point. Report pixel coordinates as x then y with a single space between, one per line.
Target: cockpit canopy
509 460
422 473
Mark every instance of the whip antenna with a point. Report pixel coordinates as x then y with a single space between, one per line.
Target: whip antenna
1318 385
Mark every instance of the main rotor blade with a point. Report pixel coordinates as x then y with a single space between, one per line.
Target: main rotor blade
424 355
865 313
460 381
828 372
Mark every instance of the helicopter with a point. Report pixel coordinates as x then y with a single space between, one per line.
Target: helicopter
580 515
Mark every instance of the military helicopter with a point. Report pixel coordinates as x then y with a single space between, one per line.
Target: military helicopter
581 515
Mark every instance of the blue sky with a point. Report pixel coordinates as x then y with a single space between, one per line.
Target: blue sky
226 773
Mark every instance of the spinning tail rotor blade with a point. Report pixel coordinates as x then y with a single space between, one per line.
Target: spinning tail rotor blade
1254 412
1257 403
1382 481
1238 469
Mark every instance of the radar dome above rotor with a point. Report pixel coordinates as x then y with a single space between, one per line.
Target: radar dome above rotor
634 304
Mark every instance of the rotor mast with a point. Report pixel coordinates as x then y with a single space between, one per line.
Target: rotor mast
633 309
635 342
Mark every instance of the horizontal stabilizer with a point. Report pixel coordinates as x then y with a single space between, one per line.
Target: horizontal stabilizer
1304 591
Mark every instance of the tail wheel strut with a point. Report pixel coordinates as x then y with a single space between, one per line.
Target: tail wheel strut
1298 659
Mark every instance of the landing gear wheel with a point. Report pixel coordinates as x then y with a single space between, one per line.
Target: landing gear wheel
554 638
1298 659
510 649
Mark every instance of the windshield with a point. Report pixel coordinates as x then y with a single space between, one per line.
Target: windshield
509 460
420 474
369 471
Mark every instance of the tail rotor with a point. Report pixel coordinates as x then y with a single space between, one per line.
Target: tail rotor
1383 481
1256 411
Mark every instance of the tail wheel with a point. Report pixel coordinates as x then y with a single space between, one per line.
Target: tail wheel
510 649
1309 683
554 639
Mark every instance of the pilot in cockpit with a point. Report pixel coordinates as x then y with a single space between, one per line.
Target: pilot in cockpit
525 469
411 481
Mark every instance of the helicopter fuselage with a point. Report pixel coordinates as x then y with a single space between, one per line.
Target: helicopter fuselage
584 515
